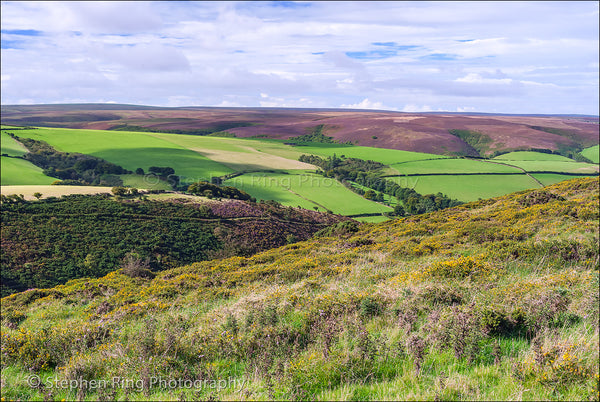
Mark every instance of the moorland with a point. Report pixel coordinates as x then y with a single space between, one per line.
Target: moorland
491 300
300 254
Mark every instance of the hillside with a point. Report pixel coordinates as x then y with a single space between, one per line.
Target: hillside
437 133
48 242
491 300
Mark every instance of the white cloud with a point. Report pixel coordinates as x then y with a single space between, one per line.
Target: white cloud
525 57
411 108
367 104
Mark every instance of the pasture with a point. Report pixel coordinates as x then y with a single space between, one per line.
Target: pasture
11 146
307 190
271 169
592 153
470 187
19 171
131 150
532 156
458 166
556 166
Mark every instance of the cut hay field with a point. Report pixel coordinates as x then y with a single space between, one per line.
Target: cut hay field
51 191
592 153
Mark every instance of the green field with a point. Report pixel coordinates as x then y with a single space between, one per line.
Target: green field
551 178
556 166
19 171
308 190
532 156
592 153
11 147
131 150
452 166
385 156
469 187
145 182
272 170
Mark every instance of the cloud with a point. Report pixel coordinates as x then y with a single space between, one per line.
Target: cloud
367 104
526 57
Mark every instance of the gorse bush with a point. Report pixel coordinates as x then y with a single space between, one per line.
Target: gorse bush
355 315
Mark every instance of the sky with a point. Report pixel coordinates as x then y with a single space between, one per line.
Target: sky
472 56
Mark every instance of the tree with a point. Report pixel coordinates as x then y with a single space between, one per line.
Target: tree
37 195
119 191
369 194
139 171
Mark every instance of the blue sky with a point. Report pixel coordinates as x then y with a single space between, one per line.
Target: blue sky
506 57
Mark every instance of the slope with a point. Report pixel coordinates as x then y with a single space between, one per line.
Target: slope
48 242
491 300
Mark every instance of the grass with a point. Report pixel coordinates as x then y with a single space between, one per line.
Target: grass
478 302
239 154
307 190
551 178
451 166
555 166
592 153
469 187
10 146
144 182
532 156
21 172
196 158
385 156
131 150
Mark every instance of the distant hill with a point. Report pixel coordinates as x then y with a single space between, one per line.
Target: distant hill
492 300
440 133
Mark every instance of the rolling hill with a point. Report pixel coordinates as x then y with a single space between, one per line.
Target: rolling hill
491 300
437 133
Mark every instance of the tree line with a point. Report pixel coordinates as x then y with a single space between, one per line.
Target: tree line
367 173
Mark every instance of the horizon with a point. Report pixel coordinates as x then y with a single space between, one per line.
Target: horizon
302 108
514 58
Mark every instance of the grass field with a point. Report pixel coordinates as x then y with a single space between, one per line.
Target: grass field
51 191
452 166
551 178
592 153
19 171
532 156
10 146
144 182
471 187
307 190
556 166
385 156
272 169
239 155
131 150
